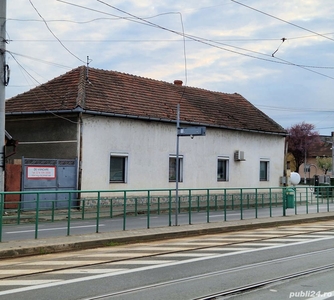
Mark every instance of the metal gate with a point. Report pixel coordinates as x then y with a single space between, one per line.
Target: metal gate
48 175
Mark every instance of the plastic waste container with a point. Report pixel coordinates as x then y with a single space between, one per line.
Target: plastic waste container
290 198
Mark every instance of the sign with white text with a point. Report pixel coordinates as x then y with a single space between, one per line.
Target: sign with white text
41 172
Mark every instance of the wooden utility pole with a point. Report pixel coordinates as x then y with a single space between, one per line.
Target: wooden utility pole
3 80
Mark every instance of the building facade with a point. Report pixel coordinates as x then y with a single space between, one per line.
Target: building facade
122 130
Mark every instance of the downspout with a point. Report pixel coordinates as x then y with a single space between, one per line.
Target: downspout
80 129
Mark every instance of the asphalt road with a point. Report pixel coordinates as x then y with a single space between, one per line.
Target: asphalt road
186 268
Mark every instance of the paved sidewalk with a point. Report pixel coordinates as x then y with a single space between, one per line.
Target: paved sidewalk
13 249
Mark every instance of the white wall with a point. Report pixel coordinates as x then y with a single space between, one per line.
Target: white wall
149 144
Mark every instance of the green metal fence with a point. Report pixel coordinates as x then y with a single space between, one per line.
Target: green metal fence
123 204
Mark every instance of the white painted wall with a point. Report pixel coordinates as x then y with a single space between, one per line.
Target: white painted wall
149 144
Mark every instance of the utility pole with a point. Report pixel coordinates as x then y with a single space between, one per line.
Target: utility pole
3 9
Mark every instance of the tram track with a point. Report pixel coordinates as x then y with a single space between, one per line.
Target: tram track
233 291
155 255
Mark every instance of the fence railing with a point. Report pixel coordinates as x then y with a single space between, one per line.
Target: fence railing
70 206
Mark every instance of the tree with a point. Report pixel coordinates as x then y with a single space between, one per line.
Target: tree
300 137
324 163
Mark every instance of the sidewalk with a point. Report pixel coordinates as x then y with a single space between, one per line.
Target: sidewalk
13 249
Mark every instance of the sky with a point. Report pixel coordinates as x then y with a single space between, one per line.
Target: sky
277 54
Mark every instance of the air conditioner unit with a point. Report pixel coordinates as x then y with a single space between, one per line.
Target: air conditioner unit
239 155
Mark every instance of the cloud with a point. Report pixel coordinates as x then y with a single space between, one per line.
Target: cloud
231 51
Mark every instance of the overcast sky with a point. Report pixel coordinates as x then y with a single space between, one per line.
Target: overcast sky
277 54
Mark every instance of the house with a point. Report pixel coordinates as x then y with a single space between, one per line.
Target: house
323 150
118 131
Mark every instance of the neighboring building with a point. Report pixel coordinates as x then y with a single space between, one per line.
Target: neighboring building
324 149
121 129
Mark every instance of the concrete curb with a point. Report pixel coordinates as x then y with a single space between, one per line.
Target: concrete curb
22 248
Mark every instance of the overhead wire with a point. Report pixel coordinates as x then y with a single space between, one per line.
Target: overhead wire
208 42
282 20
44 89
47 26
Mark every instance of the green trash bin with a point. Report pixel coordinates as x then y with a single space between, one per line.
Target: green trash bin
290 198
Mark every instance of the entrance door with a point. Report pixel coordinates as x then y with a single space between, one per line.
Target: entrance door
48 175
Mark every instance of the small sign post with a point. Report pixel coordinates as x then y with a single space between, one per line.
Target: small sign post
187 131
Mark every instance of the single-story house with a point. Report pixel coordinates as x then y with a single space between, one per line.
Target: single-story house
120 130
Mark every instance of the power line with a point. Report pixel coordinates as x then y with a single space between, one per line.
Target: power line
47 26
44 90
41 60
287 22
208 42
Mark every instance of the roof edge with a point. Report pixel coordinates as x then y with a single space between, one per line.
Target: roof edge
79 109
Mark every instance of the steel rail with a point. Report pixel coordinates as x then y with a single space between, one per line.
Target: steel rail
216 273
163 253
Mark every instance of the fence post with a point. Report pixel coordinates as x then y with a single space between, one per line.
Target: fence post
124 210
284 200
19 214
225 200
306 200
69 213
98 212
83 207
53 211
170 208
189 207
208 206
232 202
241 204
148 209
270 203
318 195
111 209
256 203
136 206
37 216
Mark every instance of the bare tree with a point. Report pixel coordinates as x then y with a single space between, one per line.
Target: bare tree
300 138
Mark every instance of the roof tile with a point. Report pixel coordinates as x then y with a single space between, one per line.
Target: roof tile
125 94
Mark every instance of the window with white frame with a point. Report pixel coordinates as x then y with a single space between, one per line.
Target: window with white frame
118 167
223 168
172 168
264 170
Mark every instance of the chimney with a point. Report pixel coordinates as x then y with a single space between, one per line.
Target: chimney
178 82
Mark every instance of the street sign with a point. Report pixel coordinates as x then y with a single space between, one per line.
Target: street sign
191 131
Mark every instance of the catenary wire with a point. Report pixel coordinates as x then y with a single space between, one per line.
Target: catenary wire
287 22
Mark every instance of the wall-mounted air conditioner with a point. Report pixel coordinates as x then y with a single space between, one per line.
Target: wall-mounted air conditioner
239 155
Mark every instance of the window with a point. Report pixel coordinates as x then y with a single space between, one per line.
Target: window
118 168
223 169
172 168
264 170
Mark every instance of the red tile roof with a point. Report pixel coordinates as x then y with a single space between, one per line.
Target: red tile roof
115 93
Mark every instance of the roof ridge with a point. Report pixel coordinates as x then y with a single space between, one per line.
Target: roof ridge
81 97
122 94
163 81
